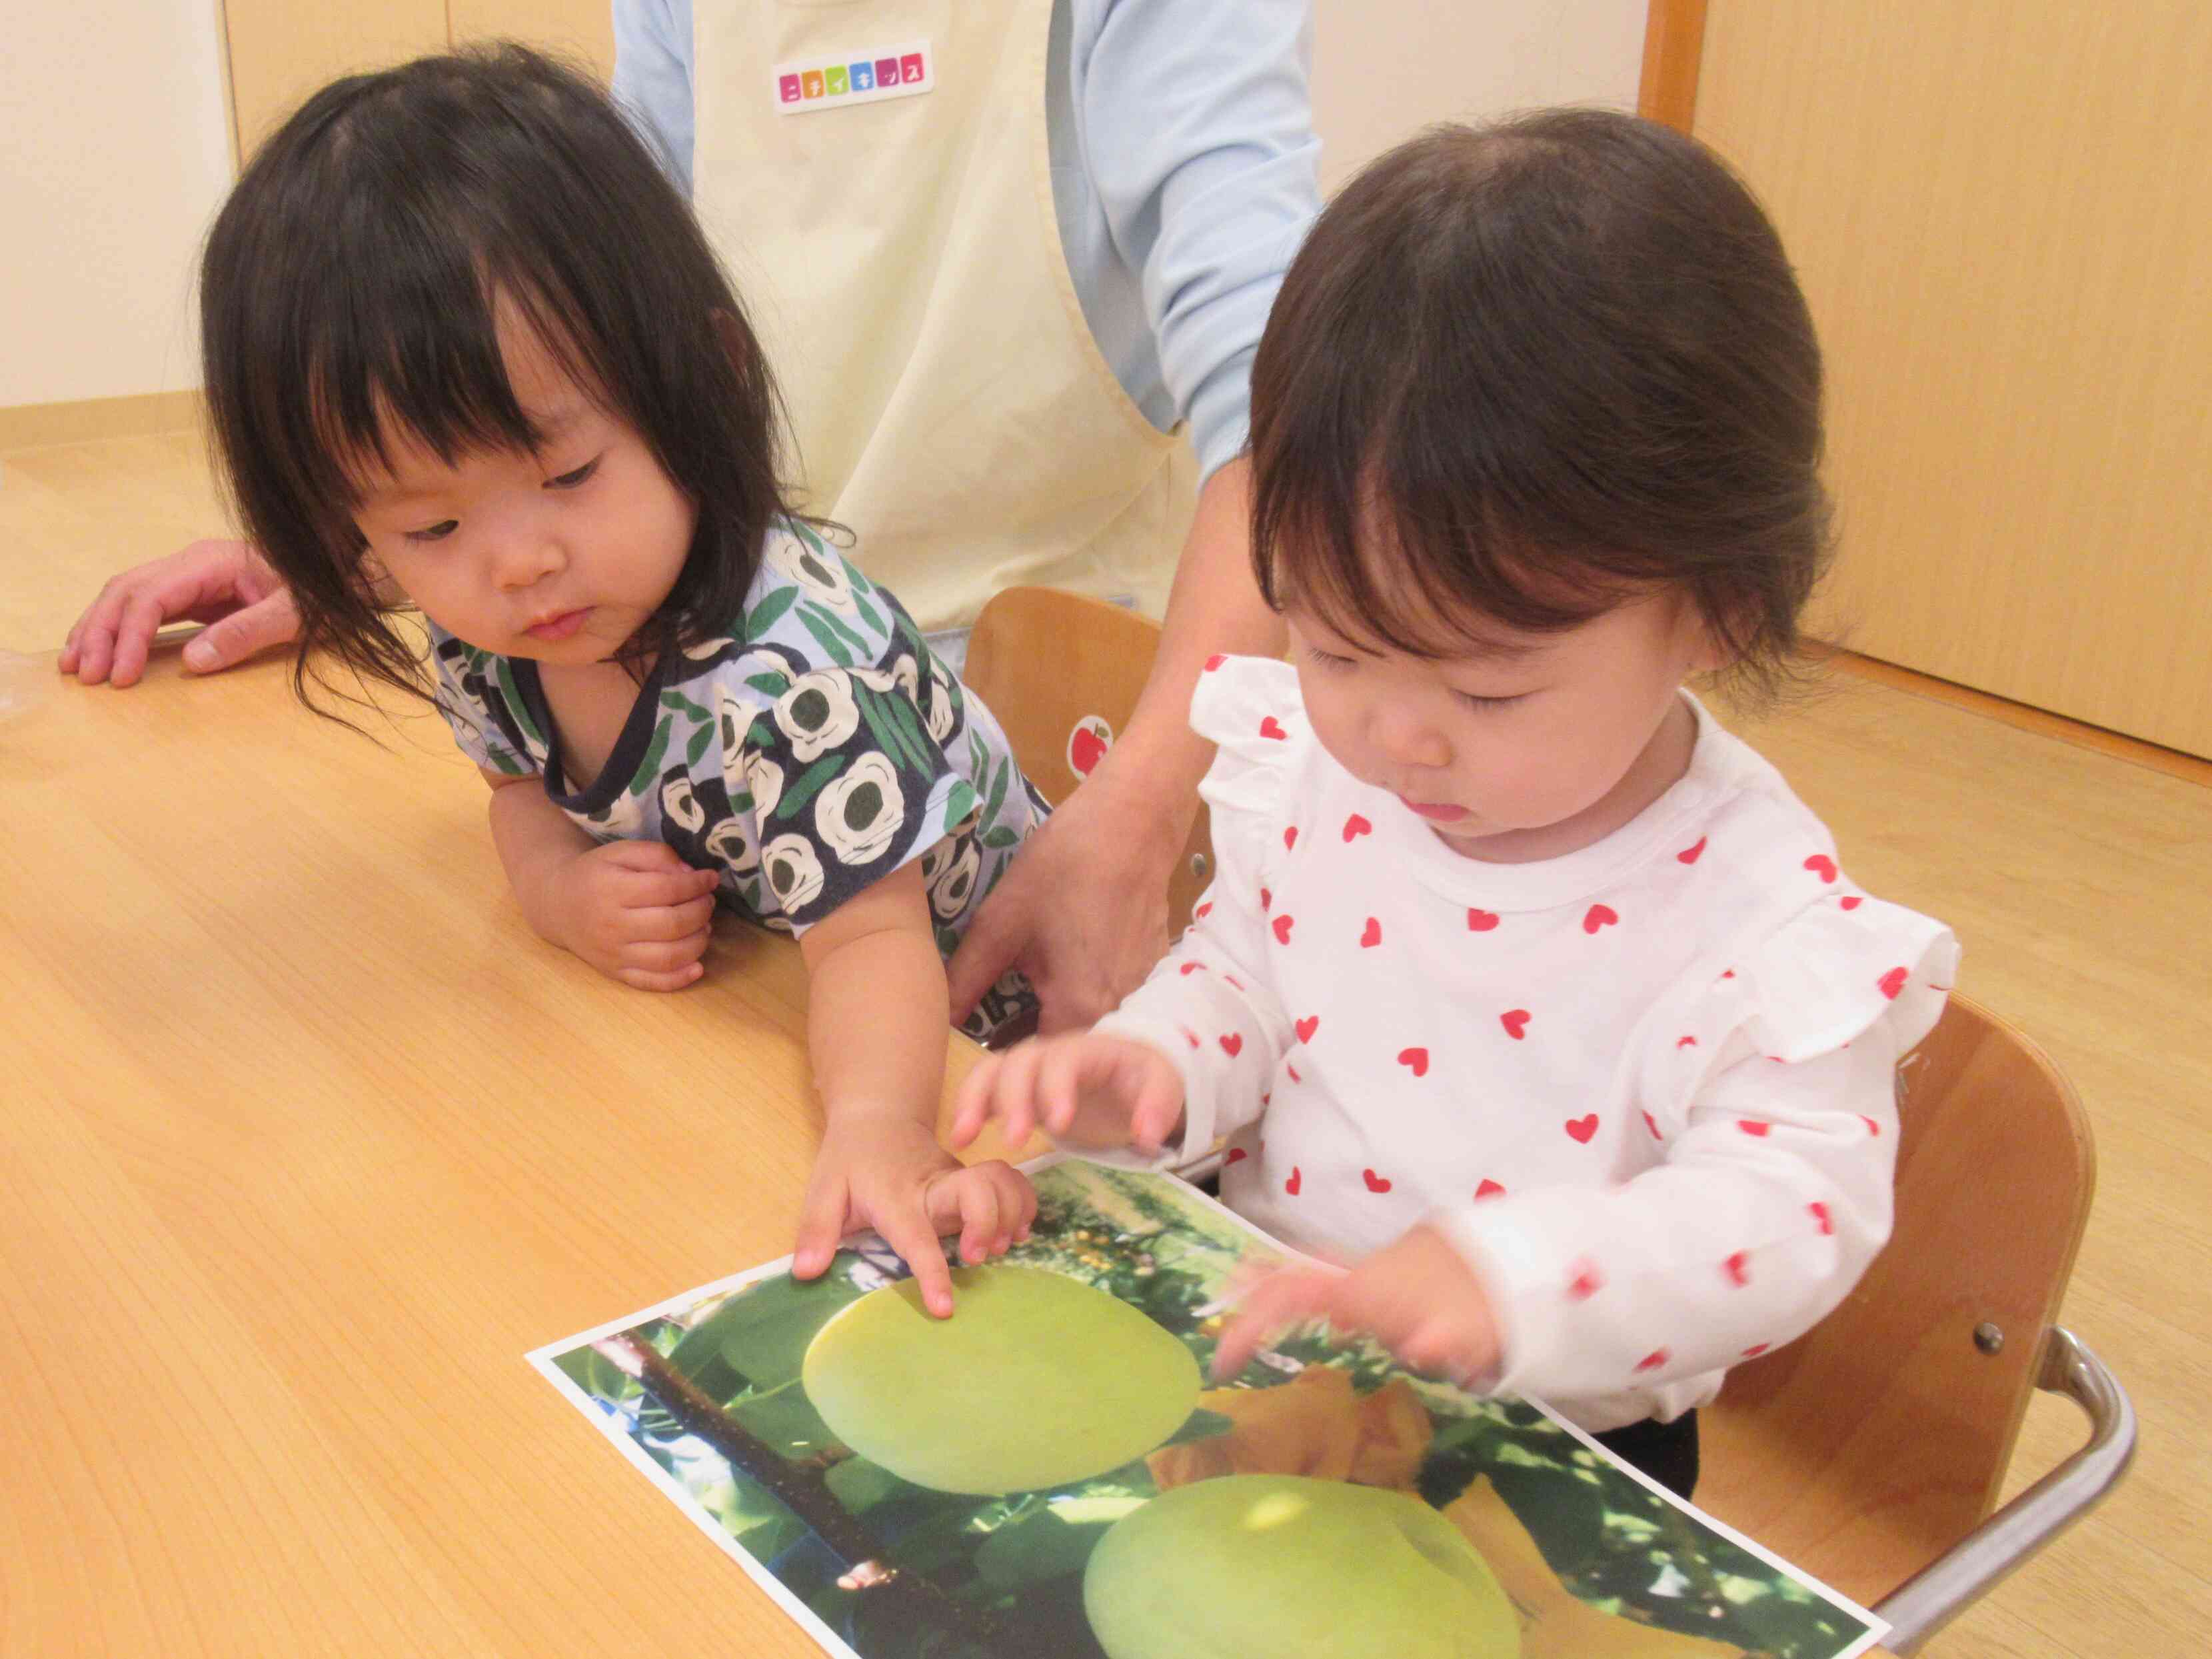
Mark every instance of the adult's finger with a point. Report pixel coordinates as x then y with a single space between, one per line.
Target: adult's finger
971 1107
229 641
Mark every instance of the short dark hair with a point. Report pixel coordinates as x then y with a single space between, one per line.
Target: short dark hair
354 275
1551 362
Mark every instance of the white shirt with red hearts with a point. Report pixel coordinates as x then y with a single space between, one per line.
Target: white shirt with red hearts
1647 1088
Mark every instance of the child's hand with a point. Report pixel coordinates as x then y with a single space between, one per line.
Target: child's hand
637 913
1084 1088
1417 1297
889 1173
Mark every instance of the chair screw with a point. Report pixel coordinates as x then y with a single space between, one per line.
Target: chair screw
1198 865
1989 1337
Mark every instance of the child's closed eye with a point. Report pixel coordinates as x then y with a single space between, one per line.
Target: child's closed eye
436 532
1490 705
1328 661
581 475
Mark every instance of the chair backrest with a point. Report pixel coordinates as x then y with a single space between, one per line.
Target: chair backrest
1062 672
1874 1442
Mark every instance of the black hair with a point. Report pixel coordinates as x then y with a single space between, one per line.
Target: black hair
353 278
1544 365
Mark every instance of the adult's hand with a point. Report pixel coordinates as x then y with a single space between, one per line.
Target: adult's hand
226 585
1083 910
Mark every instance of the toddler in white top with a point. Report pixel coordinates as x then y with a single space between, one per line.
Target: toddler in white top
1524 985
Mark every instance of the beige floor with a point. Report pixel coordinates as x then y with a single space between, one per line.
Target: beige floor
2078 878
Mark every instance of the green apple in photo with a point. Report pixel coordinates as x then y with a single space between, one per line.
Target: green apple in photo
1281 1564
1037 1380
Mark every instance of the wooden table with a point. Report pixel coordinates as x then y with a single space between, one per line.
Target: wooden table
308 1139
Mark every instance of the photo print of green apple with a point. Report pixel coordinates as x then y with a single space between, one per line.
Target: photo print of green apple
1047 1475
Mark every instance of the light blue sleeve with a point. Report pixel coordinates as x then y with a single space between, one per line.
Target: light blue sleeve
652 78
1196 128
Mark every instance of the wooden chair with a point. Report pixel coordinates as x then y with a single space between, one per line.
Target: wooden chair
1062 672
1870 1450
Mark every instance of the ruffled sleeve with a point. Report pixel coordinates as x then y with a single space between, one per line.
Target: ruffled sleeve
1248 707
1838 970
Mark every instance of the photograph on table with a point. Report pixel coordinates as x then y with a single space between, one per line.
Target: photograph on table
1052 1470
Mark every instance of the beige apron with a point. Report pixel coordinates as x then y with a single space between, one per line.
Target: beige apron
901 263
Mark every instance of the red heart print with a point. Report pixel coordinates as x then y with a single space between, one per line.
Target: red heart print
1582 1128
1085 749
1269 728
1376 1183
1296 1182
1892 982
1753 1125
1738 1267
1415 1060
1489 1189
1756 1349
1654 1360
1232 1045
1515 1022
1373 936
1267 899
1189 968
1481 922
1851 900
1293 1071
1355 827
1235 1154
1873 1127
1203 909
1305 1028
1686 1043
1729 974
1215 661
1282 930
1290 838
1822 865
1689 855
1652 1124
1584 1282
1827 1223
1599 915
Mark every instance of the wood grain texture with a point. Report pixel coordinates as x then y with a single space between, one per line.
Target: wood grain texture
1871 1445
309 1140
1673 48
281 51
2004 221
579 30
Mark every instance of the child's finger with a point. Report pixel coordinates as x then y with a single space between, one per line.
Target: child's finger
820 1225
971 1107
978 1202
1017 1204
1159 1104
1276 1303
673 979
668 957
665 923
910 1232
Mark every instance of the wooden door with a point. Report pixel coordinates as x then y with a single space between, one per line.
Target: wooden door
2002 211
281 51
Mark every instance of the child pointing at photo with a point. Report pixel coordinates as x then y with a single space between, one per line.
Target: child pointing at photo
1524 985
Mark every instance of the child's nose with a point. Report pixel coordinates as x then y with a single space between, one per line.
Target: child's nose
1407 739
526 556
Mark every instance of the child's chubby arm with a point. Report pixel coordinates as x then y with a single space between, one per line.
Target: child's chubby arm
633 909
876 1028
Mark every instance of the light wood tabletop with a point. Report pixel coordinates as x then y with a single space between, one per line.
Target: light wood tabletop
308 1141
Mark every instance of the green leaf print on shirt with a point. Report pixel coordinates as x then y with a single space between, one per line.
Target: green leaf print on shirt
770 611
809 785
824 636
684 705
959 802
770 684
648 770
700 740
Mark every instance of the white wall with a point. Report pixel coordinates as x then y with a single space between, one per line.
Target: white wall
1384 69
114 154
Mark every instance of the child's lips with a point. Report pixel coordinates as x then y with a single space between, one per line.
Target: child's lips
558 626
1435 811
